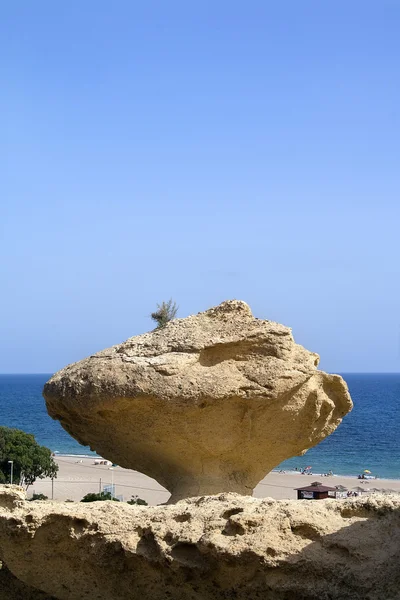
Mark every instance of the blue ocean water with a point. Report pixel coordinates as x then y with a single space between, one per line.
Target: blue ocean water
22 406
368 438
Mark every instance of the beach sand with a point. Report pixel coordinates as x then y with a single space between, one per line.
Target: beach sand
79 476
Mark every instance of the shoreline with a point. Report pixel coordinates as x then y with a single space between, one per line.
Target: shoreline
278 471
78 476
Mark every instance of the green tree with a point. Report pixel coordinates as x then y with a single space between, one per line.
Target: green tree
92 497
166 311
137 500
30 461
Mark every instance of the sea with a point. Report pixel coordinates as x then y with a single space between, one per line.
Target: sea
368 438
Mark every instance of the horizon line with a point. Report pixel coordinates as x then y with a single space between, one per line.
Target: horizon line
328 372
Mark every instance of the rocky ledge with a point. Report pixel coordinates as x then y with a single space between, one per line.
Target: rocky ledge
209 548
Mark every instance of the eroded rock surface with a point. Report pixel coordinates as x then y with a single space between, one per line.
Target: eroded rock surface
12 588
210 548
210 403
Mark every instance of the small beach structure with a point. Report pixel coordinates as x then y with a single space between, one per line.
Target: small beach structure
316 491
359 490
341 491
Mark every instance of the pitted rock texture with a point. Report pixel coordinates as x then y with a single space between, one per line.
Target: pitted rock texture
209 403
209 548
12 588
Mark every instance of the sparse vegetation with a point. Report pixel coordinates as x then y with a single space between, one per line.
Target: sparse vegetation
101 496
166 311
38 497
138 501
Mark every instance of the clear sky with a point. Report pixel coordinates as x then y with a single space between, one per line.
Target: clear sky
200 150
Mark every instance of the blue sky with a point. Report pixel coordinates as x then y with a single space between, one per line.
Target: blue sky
200 151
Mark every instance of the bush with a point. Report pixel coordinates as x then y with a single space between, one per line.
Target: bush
38 497
138 501
99 497
166 311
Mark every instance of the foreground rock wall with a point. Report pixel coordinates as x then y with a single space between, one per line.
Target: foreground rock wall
12 588
219 547
208 404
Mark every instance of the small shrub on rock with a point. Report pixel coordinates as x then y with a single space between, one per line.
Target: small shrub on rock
166 311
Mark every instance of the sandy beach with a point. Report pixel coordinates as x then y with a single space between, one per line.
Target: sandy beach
79 476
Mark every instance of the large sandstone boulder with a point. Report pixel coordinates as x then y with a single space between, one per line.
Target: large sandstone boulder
207 404
210 548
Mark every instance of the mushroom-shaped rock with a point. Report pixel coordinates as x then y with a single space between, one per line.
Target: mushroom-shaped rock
207 404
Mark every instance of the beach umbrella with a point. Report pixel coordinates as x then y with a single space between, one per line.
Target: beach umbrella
341 488
367 471
358 489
